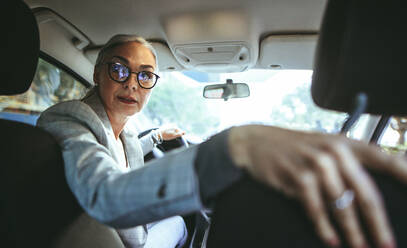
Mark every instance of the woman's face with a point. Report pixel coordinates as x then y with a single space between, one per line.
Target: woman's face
122 100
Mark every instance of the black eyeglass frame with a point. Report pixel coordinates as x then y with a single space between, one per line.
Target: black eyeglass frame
130 71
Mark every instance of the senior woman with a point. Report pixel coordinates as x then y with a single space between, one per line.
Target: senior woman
317 169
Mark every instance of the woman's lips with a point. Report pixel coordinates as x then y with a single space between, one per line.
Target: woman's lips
127 99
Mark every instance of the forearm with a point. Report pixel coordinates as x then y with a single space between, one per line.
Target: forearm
215 169
173 185
169 186
164 188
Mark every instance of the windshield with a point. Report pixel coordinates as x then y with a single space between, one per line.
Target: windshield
277 97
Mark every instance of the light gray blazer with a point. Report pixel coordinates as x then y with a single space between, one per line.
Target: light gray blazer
165 187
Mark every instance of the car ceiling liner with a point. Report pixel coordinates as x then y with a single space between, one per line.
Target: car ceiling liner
228 43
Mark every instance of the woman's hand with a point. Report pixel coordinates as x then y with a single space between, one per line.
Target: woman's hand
318 169
169 133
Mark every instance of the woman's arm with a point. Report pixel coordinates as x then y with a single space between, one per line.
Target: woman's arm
165 188
147 143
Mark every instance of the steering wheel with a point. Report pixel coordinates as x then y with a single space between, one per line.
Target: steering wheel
169 145
196 223
164 147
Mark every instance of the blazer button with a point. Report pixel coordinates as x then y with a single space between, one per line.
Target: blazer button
162 191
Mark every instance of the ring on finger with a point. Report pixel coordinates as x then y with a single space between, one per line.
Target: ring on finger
345 200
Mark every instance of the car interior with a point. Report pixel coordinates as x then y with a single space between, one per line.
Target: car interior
267 46
349 47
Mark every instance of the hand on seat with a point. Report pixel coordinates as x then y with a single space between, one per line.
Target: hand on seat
325 172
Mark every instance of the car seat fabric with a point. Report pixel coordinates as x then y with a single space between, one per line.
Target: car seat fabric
250 214
36 202
37 208
86 232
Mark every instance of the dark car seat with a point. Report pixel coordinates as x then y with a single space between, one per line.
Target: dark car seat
37 209
361 49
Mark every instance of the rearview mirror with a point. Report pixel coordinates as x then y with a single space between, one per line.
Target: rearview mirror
226 91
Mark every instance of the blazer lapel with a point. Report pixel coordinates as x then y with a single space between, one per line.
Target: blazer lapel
133 151
129 138
93 100
132 147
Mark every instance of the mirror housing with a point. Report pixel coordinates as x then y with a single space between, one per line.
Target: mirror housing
226 91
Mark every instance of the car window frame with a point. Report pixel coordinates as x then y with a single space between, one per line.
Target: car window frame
62 67
53 61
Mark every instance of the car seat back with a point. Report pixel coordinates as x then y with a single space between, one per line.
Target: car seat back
362 49
37 208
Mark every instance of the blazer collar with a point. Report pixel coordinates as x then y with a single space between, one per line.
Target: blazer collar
128 135
94 101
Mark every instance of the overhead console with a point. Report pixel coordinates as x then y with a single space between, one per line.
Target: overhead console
214 56
212 41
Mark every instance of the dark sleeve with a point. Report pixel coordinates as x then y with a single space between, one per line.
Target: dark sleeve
215 168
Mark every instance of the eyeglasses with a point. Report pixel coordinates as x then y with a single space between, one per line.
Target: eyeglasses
121 73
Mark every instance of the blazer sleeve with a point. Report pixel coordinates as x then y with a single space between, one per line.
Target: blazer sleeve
168 186
147 143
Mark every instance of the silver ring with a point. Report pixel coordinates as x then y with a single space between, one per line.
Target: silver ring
345 200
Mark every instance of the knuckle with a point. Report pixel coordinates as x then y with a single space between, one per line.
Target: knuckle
269 175
316 210
323 162
341 139
337 143
307 180
369 204
393 161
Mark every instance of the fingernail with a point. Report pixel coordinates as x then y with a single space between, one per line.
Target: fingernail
334 243
389 245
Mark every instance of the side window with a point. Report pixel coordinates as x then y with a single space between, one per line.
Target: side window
393 139
50 86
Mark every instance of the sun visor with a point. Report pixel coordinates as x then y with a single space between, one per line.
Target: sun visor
287 52
91 54
212 41
362 47
78 39
63 42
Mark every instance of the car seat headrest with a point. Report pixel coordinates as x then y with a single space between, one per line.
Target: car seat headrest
362 47
21 49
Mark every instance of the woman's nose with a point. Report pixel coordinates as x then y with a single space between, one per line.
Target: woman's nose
132 82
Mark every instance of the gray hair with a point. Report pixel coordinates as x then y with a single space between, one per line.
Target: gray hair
121 39
116 41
